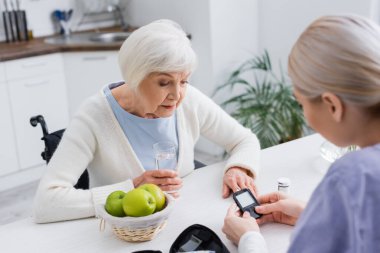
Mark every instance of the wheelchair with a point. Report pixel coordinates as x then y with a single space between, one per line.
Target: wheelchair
51 141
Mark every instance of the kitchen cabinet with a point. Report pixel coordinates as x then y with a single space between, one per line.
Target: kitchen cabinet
87 72
8 158
36 86
51 85
2 73
33 66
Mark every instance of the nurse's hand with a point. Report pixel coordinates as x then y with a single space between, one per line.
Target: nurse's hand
237 178
237 224
167 180
279 207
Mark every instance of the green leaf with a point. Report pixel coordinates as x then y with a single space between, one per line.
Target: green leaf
266 105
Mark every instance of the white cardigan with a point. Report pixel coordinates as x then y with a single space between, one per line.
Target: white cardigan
95 140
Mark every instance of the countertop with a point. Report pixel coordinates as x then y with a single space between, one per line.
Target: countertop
37 46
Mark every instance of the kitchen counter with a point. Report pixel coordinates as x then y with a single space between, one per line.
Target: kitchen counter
37 46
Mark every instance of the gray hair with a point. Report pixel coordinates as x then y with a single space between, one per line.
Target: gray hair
339 54
161 46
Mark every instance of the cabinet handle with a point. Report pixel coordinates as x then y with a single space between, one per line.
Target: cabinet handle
31 85
94 58
33 64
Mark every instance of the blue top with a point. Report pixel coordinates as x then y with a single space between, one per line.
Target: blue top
343 214
142 133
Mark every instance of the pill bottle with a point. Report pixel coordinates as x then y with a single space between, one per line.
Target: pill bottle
283 184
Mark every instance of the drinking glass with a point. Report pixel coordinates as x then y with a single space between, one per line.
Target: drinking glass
165 155
330 152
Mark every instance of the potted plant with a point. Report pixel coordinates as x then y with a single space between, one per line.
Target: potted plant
266 104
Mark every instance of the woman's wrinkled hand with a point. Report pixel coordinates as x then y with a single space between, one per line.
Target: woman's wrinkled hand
236 225
235 179
279 207
167 180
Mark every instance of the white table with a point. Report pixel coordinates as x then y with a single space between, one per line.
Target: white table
200 202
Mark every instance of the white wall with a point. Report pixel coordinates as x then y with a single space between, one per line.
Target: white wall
234 35
38 13
233 27
41 22
39 16
281 22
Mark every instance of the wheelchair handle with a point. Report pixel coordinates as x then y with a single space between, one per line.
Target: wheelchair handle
39 119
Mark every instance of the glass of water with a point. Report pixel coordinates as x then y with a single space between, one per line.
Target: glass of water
330 152
165 155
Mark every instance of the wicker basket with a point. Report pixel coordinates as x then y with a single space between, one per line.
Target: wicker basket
137 229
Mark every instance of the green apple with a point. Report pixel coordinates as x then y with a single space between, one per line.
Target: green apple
138 202
114 203
157 193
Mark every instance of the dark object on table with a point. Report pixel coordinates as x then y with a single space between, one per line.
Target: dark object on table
198 237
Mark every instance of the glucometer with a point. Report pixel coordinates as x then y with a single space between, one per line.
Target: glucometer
246 202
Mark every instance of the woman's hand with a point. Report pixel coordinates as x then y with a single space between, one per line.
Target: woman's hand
235 179
279 207
167 180
236 225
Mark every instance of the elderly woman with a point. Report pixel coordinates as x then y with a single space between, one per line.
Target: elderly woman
335 68
113 132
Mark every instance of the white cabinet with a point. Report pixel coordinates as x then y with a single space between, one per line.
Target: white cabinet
34 66
86 73
44 85
8 157
36 86
2 73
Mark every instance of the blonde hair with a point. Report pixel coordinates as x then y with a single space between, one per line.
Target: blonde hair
339 54
161 46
